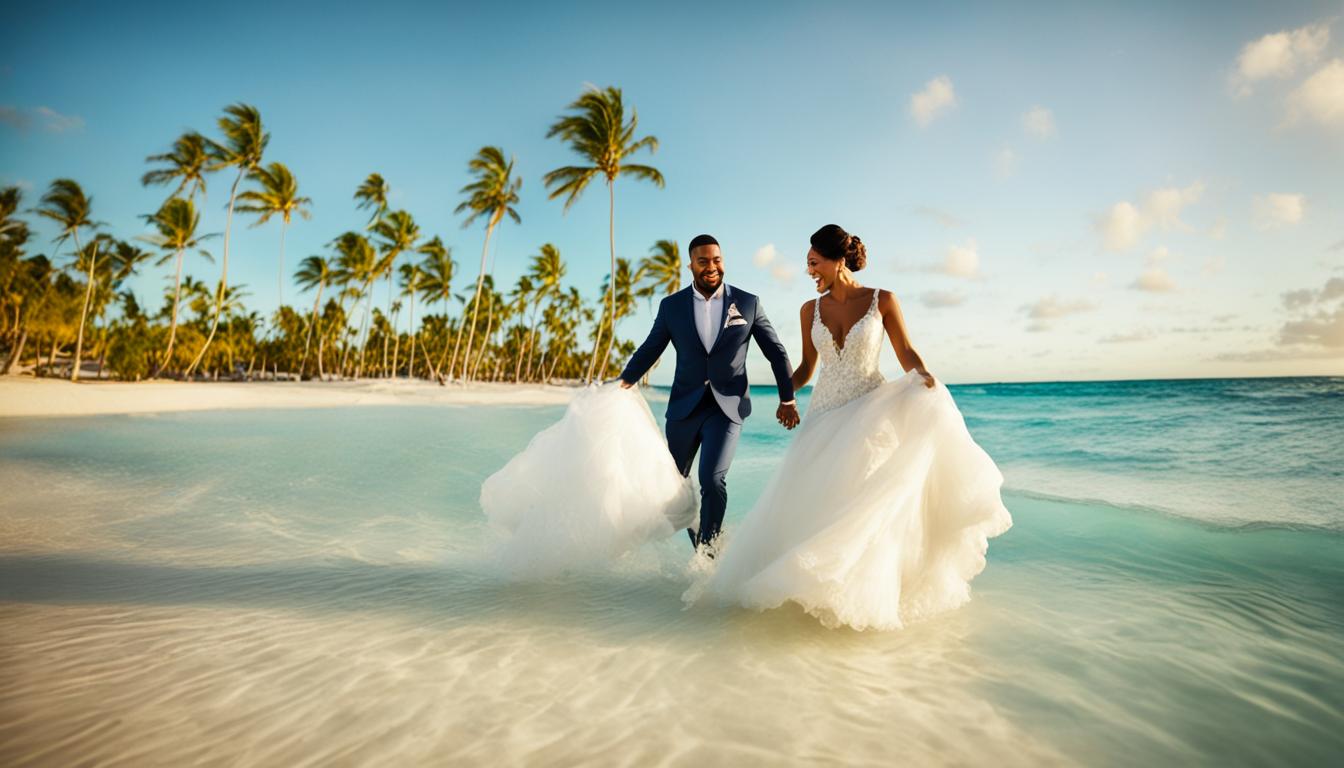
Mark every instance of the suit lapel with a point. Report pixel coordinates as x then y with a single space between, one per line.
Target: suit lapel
723 318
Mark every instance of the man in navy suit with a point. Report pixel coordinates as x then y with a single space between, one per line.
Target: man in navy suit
709 324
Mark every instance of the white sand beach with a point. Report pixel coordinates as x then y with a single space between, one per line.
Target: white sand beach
22 396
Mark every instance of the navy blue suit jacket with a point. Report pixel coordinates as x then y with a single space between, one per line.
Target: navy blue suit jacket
724 365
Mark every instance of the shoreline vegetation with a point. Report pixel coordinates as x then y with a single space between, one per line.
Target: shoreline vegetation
68 313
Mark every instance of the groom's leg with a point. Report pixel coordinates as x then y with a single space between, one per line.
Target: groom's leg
683 440
719 441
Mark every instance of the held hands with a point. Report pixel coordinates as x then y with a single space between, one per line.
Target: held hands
625 384
788 415
928 378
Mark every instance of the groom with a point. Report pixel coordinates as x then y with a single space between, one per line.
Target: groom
709 324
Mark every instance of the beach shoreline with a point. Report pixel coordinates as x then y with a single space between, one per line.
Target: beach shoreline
25 397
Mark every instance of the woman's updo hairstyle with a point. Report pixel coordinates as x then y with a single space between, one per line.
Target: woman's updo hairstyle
834 243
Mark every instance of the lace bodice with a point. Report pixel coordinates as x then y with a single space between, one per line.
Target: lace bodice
851 371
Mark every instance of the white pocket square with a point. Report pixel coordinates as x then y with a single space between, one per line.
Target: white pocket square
735 321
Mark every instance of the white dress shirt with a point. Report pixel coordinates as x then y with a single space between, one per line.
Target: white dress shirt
709 323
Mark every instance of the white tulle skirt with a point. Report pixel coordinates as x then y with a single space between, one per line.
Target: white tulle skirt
878 515
589 488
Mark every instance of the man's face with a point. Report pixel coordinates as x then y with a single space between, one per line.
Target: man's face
707 267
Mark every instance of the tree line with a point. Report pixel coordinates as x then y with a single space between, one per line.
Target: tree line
59 318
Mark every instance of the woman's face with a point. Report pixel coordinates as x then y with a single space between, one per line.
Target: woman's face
822 270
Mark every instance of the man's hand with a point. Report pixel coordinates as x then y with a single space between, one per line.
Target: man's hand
788 415
626 384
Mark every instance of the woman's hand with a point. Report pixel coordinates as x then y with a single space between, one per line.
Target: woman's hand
928 378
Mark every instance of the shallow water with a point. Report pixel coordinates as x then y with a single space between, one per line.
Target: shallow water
315 587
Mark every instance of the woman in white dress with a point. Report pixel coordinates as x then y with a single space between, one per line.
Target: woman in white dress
880 511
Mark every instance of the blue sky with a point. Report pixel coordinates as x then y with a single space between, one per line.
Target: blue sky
1060 191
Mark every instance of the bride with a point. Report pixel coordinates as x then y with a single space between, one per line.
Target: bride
878 514
880 510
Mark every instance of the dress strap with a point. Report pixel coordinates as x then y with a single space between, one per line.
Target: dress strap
876 293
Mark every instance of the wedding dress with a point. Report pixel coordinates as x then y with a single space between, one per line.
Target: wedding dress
588 488
878 514
880 510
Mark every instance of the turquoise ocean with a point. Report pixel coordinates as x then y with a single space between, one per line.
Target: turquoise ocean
315 587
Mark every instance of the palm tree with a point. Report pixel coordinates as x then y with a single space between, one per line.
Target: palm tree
437 271
412 282
176 222
547 271
66 204
598 132
660 271
186 163
244 142
397 233
522 295
493 195
125 260
358 265
279 194
373 194
313 272
621 292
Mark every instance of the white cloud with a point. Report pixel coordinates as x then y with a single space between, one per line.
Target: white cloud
765 255
1279 55
1165 205
1159 254
938 299
1122 226
949 220
1316 331
1005 162
1155 280
1278 209
1143 334
1213 265
1039 122
1100 278
1125 223
45 118
962 260
935 100
1324 328
1052 307
1219 229
1321 96
1333 289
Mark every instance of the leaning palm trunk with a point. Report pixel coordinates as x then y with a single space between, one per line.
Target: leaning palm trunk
223 278
476 302
172 326
16 354
410 370
485 341
308 337
88 292
367 327
386 374
611 240
532 339
597 343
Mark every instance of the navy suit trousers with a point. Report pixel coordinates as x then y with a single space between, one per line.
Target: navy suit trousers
709 430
